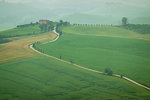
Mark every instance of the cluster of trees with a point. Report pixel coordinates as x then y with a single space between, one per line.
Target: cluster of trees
26 25
46 27
60 24
108 71
18 35
34 44
139 28
58 30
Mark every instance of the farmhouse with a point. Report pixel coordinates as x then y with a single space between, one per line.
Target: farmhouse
45 22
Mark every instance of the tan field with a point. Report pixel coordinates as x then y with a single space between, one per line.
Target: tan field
18 48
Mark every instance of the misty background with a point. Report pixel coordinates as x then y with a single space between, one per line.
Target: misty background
16 12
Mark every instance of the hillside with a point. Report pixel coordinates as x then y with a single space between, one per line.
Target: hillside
45 78
119 50
103 30
25 30
27 75
74 49
32 77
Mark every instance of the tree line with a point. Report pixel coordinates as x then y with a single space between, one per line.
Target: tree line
60 24
4 40
50 26
139 28
46 27
93 24
26 25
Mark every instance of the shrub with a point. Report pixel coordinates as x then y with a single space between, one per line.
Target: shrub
108 71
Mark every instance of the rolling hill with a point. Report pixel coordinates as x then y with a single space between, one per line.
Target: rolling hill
27 75
101 47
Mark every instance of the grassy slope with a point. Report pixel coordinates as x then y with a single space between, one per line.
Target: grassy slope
97 30
129 57
21 31
18 47
5 36
41 78
44 78
104 31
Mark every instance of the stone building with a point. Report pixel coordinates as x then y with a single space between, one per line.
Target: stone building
45 22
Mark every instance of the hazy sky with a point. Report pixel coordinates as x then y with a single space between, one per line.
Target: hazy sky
29 10
140 3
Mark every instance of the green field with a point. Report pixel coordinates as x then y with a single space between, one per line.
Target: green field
127 56
97 30
43 78
28 30
5 36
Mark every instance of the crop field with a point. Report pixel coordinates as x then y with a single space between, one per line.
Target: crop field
45 78
18 48
127 56
104 31
27 75
28 30
14 42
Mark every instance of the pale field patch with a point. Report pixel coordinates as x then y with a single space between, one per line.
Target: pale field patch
18 47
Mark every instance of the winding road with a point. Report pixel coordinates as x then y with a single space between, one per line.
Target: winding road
116 75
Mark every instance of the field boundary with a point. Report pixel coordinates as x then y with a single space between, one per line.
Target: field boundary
116 75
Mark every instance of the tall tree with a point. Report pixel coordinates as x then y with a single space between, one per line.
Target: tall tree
124 21
42 27
45 27
61 22
50 27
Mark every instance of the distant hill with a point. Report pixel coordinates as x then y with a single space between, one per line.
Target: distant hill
82 18
111 14
12 14
140 20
